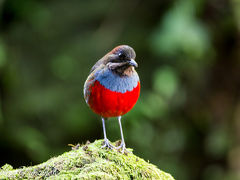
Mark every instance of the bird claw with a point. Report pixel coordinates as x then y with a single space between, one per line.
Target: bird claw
123 147
107 144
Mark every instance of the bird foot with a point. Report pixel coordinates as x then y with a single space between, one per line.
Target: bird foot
123 147
107 144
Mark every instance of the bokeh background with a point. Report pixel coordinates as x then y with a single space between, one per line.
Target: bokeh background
187 120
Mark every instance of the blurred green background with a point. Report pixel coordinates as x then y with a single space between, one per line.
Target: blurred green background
187 120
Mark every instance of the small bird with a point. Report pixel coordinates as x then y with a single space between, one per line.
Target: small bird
113 87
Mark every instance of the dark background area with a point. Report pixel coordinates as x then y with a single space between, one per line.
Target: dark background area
187 120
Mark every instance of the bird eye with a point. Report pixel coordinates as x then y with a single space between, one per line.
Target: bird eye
121 55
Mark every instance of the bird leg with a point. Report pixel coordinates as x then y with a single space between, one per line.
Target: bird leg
122 145
106 141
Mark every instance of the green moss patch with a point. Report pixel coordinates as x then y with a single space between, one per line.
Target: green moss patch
89 161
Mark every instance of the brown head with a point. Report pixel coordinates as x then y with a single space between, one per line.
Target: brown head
120 60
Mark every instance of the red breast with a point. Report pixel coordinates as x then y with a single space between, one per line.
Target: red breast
108 103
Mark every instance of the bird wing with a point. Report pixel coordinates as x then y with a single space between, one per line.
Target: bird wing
90 81
87 86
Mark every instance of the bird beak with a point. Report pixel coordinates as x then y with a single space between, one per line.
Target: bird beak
132 62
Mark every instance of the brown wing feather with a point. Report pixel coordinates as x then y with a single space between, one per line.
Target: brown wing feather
88 83
91 80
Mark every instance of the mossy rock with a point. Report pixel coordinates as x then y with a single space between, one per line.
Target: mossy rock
89 161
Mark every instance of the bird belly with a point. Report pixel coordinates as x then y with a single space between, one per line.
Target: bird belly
109 103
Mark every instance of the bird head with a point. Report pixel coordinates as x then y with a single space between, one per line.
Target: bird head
121 60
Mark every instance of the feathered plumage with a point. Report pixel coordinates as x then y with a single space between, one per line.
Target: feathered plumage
113 86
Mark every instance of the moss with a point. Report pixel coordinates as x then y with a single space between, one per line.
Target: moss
88 161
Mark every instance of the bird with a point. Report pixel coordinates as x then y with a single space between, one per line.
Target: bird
113 88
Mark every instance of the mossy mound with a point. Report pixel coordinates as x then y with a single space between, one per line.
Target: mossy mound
89 161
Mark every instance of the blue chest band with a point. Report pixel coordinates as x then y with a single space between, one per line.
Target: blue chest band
116 83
